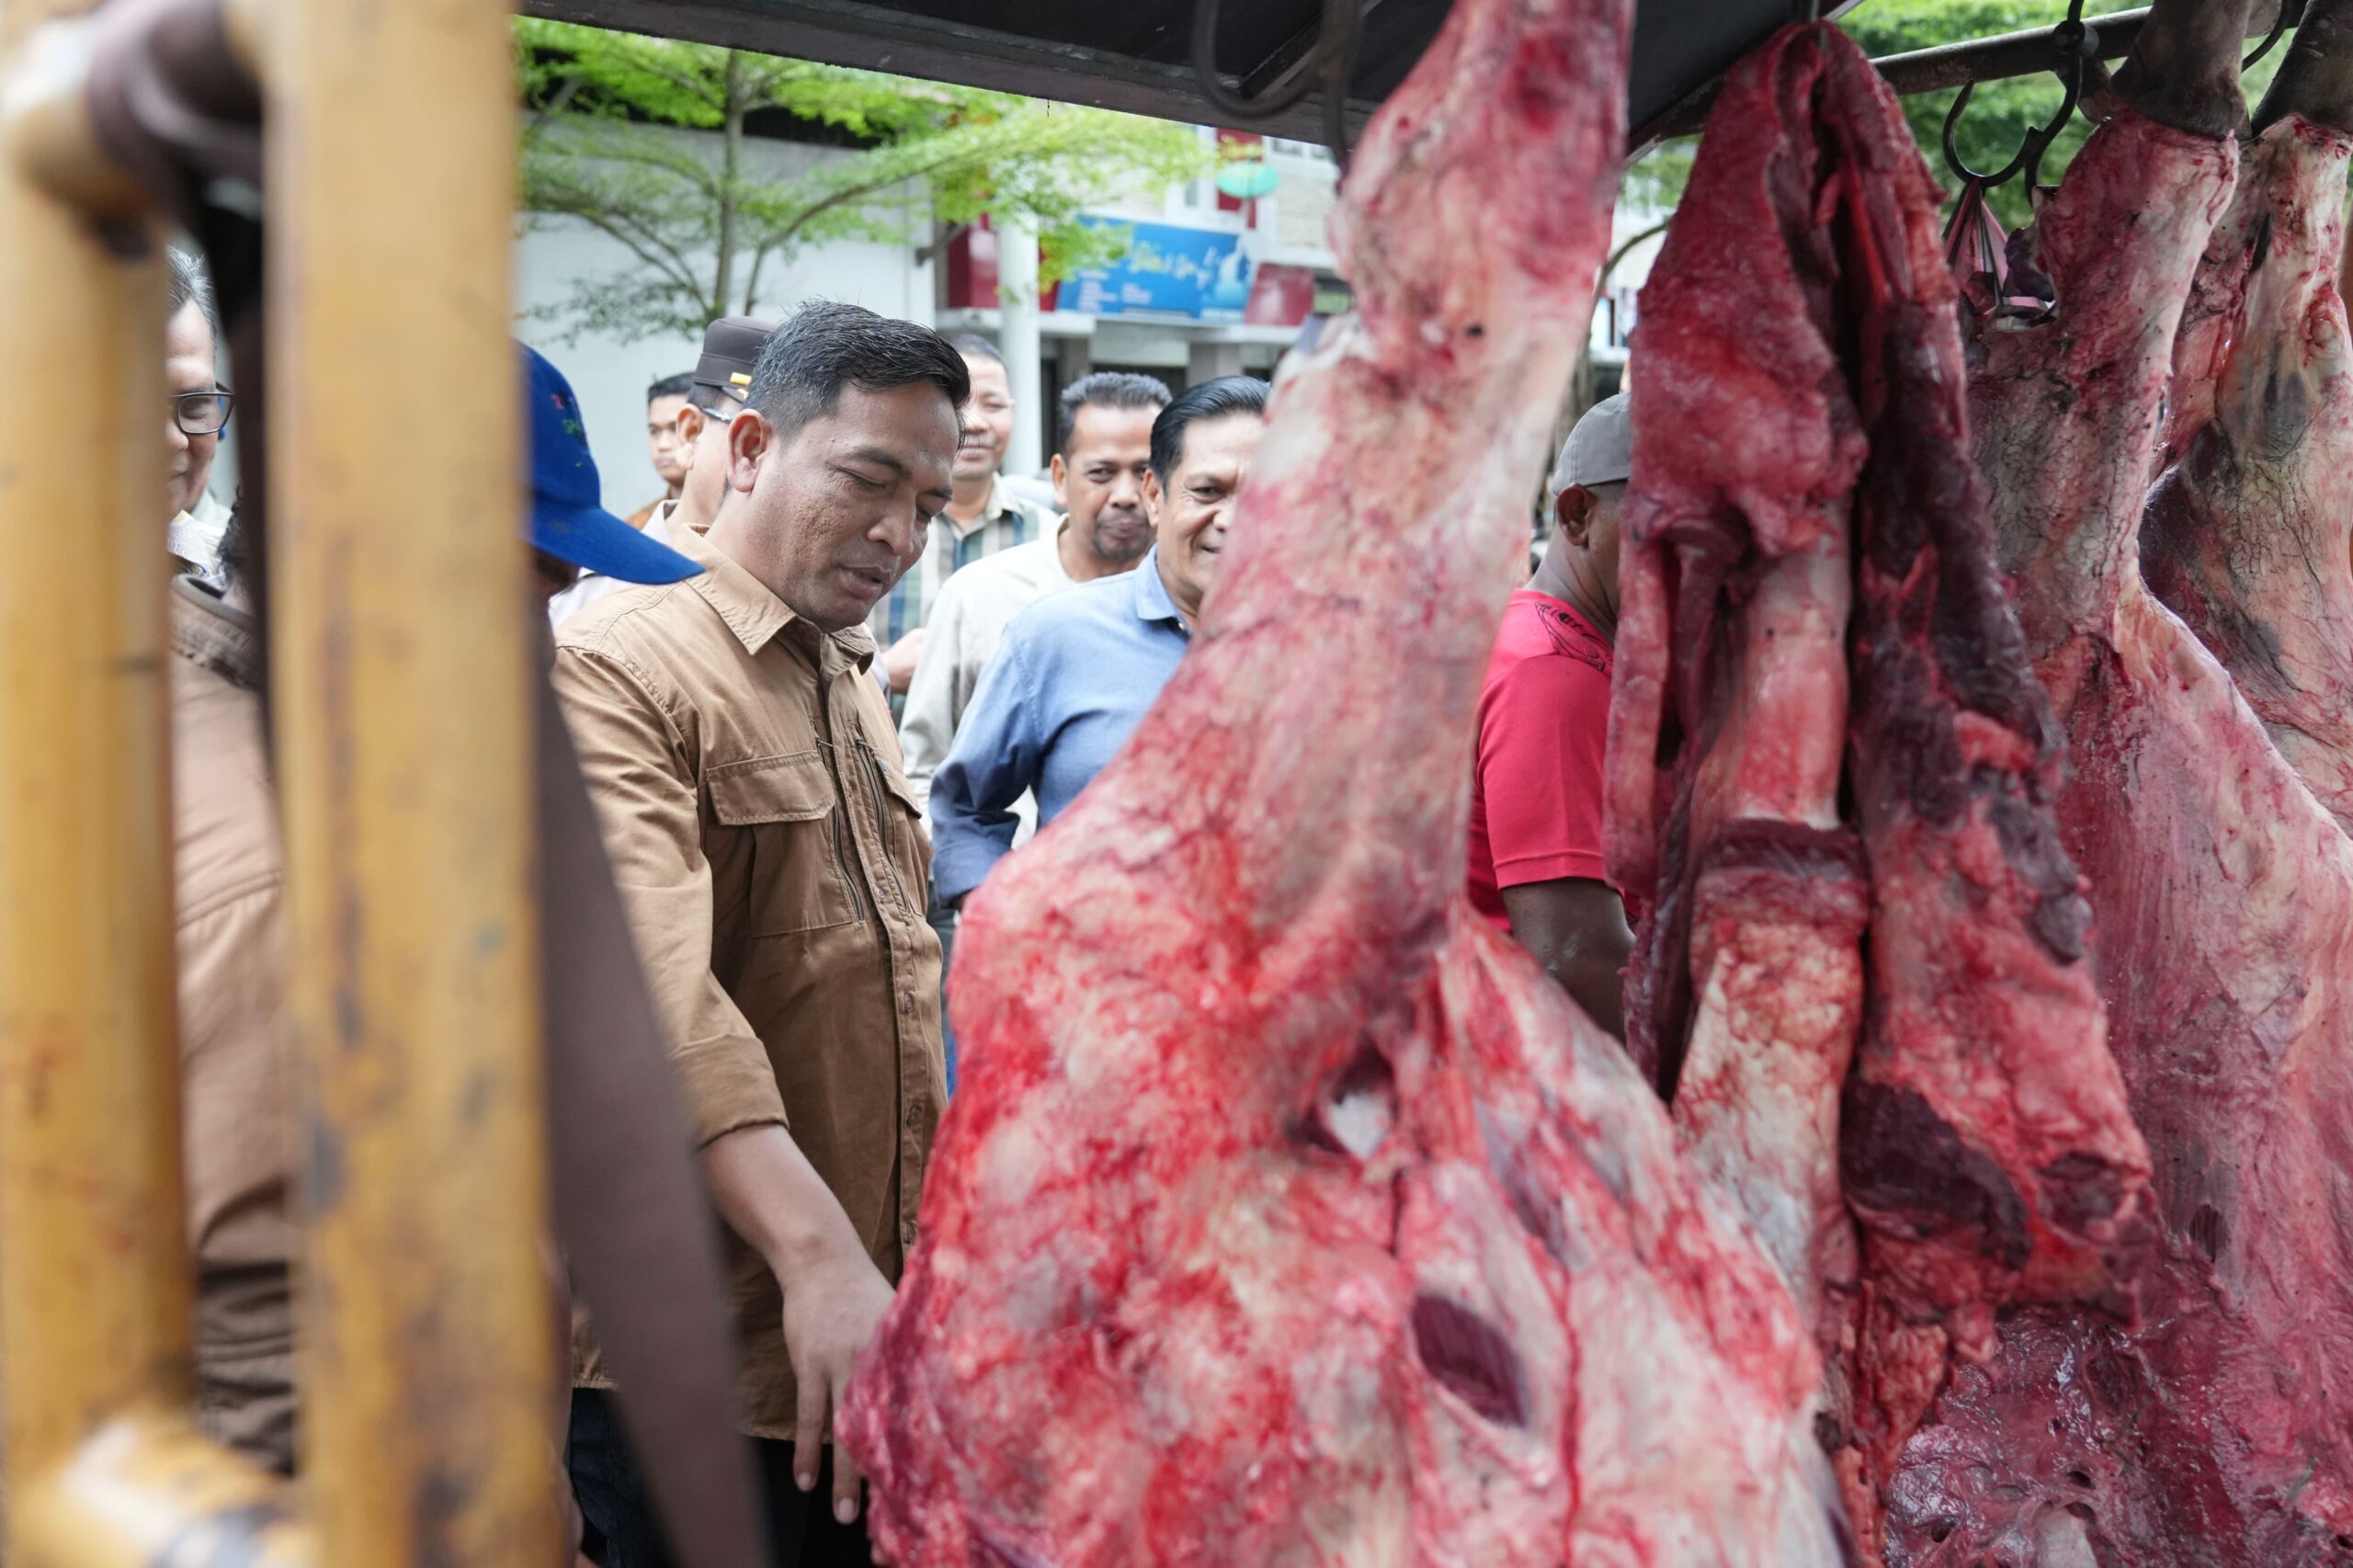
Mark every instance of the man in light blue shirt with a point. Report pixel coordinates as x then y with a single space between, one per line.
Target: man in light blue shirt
1076 672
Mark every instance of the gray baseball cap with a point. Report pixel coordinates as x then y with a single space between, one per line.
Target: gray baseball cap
1600 450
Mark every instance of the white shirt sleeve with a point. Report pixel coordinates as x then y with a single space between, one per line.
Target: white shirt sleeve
927 725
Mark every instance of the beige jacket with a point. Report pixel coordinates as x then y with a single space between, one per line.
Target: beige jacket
237 1079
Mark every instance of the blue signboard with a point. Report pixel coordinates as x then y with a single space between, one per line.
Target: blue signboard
1200 274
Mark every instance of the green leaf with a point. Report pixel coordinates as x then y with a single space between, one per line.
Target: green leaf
603 144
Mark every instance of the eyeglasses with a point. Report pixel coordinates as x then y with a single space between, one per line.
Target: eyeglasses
201 414
670 428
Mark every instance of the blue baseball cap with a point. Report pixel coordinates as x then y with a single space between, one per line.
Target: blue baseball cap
568 517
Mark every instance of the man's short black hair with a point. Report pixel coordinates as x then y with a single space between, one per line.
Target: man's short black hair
826 346
680 385
1105 389
972 345
1211 400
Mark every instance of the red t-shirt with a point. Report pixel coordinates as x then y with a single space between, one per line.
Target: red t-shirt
1543 730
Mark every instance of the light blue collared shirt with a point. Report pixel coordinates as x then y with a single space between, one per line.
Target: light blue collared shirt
1068 686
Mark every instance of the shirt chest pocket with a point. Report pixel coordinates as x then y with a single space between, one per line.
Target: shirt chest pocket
903 832
780 837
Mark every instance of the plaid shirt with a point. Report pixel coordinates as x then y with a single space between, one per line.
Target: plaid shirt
1005 521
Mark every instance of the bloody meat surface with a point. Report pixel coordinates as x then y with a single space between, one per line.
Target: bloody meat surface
2248 537
1287 1214
2215 1433
1827 729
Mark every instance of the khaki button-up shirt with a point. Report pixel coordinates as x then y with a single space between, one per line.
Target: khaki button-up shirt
775 872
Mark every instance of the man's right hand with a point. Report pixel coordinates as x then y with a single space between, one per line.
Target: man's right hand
832 1308
834 1295
899 662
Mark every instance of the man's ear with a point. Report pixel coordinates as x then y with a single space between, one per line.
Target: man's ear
749 439
691 424
1152 496
1573 510
1061 476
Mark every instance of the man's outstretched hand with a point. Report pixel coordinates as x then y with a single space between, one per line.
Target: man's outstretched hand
834 1295
831 1307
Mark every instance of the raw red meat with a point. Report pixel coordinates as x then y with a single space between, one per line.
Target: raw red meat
2249 536
1286 1214
2217 1432
1800 461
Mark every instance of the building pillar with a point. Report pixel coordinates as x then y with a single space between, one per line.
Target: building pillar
1017 282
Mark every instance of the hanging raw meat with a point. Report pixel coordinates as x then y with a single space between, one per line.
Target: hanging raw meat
1826 728
2249 536
2219 1432
1286 1215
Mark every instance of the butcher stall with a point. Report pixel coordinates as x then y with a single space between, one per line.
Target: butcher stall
1973 1186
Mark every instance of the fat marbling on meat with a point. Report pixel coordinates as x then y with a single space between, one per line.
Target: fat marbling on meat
1833 776
2216 1433
1286 1213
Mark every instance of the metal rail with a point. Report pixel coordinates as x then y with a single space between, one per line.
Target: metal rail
105 1463
405 746
2002 57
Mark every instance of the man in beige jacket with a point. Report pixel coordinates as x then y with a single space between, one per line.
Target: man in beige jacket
236 1088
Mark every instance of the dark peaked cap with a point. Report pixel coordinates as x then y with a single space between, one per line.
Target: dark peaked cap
729 348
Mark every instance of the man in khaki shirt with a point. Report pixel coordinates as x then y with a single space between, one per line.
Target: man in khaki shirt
742 758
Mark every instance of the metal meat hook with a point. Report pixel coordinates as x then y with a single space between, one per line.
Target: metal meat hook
1334 59
2290 15
2078 45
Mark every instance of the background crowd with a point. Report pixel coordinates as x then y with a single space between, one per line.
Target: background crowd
819 685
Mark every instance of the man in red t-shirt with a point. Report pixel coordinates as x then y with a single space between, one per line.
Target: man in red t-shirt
1536 866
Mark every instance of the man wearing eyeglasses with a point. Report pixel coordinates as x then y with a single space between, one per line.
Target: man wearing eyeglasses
731 346
198 411
235 1075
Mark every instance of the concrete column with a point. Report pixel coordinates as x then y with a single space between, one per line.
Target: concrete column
1077 361
1206 361
1017 282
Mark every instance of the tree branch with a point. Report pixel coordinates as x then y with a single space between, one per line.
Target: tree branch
639 153
647 247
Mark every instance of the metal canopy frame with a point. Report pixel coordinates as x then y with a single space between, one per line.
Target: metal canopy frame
1137 60
1065 49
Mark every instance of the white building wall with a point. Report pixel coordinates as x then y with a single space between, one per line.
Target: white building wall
610 374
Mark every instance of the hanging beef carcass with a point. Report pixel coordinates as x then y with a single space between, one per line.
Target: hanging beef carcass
1286 1214
2249 535
2219 1432
1783 783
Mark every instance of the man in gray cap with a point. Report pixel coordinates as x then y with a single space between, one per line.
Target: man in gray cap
1536 863
731 346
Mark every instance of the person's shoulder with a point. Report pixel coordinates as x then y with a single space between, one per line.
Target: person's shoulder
1080 609
1539 628
633 615
648 632
1548 662
1033 498
1017 567
1066 628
